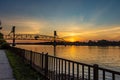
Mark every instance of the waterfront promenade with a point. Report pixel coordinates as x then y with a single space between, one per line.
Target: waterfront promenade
5 68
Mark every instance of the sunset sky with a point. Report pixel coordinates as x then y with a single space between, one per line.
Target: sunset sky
72 19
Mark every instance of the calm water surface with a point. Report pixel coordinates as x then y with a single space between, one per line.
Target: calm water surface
108 57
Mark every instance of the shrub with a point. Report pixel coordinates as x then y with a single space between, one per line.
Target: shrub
2 41
5 45
1 36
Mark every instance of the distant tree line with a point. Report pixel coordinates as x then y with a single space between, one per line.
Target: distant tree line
78 43
95 43
104 43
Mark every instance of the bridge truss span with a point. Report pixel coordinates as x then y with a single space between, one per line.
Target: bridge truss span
32 37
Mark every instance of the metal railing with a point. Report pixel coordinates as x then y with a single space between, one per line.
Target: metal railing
55 68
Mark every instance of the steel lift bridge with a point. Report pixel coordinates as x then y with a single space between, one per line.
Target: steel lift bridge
12 35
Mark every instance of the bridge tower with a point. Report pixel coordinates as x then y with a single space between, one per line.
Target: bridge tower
13 29
54 44
55 35
0 25
13 32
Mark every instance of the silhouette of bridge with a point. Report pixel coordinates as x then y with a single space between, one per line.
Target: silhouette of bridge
13 36
32 37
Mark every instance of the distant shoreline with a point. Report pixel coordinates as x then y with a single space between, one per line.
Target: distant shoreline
68 44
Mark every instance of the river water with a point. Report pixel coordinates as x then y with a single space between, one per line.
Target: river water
108 57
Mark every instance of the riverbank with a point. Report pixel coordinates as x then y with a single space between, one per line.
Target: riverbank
55 68
21 70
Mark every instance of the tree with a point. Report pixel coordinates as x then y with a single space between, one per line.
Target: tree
1 36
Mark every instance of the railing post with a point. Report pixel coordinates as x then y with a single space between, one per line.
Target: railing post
95 72
46 66
23 55
31 58
42 59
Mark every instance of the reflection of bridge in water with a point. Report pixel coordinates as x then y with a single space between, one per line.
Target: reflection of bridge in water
33 37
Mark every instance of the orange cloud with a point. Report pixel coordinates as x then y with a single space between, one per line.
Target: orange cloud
69 30
110 33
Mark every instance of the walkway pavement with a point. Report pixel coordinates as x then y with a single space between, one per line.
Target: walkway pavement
5 69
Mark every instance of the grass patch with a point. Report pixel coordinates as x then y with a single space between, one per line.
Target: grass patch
22 71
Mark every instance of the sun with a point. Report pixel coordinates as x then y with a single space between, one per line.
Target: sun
71 39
